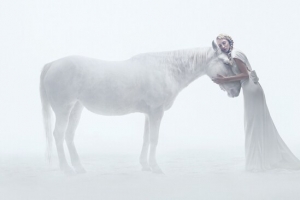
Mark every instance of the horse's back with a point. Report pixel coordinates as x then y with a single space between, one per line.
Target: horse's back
105 87
108 87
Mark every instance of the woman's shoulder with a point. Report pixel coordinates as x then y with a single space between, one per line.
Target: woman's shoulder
236 53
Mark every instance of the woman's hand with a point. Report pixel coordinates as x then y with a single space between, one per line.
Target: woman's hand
219 79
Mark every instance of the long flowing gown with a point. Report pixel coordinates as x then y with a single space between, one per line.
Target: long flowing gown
264 147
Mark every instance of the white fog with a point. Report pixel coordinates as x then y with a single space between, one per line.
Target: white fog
201 137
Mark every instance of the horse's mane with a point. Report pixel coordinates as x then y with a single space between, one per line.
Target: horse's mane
177 61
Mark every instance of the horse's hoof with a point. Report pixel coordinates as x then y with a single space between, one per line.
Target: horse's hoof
69 172
146 168
157 170
80 170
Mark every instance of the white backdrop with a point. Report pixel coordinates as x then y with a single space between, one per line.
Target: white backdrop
35 32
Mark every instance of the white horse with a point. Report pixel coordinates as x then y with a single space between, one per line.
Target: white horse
146 83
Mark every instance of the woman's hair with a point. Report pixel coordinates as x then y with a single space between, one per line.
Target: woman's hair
230 40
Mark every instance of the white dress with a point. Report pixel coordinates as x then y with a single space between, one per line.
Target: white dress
264 147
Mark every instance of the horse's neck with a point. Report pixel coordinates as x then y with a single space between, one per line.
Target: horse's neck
182 66
187 65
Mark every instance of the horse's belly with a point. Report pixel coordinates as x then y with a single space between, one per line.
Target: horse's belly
109 111
112 107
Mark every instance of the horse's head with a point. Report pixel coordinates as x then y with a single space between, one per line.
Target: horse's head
220 64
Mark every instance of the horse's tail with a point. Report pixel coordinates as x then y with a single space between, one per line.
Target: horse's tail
46 109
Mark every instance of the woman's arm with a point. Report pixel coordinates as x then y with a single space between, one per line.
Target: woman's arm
244 74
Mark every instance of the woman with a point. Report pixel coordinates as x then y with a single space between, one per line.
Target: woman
265 149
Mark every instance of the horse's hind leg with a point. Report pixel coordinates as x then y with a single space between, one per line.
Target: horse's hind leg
69 137
61 123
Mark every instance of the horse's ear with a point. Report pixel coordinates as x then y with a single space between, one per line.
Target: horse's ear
214 45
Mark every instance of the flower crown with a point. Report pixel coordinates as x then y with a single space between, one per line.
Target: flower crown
230 40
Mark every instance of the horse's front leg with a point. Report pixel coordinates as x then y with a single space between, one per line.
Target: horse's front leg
145 148
154 121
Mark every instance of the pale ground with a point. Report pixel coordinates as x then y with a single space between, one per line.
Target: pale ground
189 174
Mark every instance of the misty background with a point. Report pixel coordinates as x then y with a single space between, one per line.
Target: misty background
201 143
34 33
